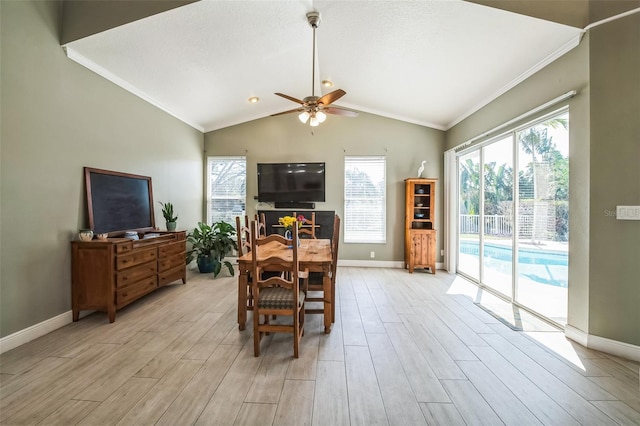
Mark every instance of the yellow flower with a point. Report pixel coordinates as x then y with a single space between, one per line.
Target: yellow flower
289 221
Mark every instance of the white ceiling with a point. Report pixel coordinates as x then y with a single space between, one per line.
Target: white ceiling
430 62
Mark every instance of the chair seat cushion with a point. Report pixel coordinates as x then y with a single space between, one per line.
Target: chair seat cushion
278 298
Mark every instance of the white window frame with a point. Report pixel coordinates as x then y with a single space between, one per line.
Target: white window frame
211 160
355 236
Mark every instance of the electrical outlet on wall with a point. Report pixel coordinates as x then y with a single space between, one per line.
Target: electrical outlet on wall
373 254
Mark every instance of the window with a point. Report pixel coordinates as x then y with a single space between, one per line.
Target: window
364 200
226 189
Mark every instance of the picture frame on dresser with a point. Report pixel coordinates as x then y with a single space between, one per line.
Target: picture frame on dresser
135 258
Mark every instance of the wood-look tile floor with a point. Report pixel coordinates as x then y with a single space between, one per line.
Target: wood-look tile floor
406 349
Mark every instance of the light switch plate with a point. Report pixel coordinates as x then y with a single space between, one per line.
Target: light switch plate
628 212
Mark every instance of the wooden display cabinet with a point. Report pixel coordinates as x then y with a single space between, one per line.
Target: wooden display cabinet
107 275
420 234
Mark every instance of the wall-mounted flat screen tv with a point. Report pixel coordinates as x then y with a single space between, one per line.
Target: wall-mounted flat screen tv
291 182
118 202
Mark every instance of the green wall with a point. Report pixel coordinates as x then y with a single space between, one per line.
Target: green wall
615 180
604 151
56 118
284 139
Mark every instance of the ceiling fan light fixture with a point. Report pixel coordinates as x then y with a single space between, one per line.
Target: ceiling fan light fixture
313 122
321 116
303 117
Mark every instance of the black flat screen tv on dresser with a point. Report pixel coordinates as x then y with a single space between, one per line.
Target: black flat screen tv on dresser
118 202
291 185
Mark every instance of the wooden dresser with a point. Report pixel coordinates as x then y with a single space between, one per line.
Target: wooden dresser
107 275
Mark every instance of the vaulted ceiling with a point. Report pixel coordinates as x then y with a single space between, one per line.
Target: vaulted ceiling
430 62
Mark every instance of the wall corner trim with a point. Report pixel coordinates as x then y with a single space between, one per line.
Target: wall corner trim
603 344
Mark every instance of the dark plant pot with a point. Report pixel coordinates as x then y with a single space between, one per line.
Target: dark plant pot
171 226
206 264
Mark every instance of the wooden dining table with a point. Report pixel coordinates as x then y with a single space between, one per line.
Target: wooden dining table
313 254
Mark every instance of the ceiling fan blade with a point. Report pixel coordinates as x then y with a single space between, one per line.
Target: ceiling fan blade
340 111
298 101
288 112
330 98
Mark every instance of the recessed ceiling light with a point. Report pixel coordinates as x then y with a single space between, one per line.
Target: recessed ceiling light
254 99
327 83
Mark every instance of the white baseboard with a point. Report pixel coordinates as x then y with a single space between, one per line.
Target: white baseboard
371 263
397 264
613 347
37 330
576 335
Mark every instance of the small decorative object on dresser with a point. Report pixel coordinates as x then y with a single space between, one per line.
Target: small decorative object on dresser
85 234
167 212
102 236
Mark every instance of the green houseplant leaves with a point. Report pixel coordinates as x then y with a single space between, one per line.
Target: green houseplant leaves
210 245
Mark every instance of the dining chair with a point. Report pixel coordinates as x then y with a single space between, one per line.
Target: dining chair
314 283
309 230
262 224
335 244
279 295
244 246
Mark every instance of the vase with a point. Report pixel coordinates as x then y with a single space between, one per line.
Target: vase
171 226
85 235
206 264
288 234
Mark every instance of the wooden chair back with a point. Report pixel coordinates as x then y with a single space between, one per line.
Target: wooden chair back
262 224
276 295
335 243
244 235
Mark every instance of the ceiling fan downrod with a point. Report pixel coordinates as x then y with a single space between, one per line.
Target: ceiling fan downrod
313 18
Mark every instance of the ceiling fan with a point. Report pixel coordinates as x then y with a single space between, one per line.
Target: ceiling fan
314 108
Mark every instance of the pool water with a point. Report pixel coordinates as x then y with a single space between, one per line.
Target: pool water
542 266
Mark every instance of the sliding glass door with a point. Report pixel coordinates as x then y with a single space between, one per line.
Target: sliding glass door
469 208
543 218
498 215
513 233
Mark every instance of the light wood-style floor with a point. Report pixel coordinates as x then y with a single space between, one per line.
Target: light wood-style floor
406 349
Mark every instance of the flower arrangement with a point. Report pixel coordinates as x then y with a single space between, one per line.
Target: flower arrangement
289 221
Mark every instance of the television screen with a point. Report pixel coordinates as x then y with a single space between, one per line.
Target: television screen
291 182
118 202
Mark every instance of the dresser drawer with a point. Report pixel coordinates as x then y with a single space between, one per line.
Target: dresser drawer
164 264
173 248
134 258
167 277
134 291
124 247
135 273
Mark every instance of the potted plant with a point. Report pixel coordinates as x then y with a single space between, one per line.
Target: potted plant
210 245
167 212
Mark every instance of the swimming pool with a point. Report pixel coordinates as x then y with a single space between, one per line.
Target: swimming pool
543 266
525 255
